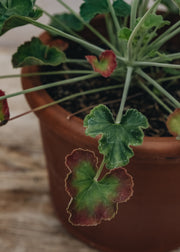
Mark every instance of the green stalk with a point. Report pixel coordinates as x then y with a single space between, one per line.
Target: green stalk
82 42
155 97
157 64
49 85
169 57
109 28
99 171
113 14
96 90
69 30
176 77
134 8
159 87
137 27
90 27
47 73
143 7
125 93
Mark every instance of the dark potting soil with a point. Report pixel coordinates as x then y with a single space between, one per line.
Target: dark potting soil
137 98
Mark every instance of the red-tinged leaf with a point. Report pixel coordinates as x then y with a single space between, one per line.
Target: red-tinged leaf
106 63
94 200
173 122
4 110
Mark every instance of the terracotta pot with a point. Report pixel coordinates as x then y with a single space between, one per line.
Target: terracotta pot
150 220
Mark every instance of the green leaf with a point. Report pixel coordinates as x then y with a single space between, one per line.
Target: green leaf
125 33
36 53
154 20
173 123
116 138
90 8
61 21
93 201
122 9
12 11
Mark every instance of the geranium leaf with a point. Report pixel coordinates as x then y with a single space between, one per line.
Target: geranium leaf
124 33
173 123
12 11
106 63
116 138
154 20
122 9
90 8
4 110
93 201
36 53
60 21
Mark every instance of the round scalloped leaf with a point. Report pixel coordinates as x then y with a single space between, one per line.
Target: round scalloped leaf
173 122
106 63
4 110
36 53
93 201
12 13
116 138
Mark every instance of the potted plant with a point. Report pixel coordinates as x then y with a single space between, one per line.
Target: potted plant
124 50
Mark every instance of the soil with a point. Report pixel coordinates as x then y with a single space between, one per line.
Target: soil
137 98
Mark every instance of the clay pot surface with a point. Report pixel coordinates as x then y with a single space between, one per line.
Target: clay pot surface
150 220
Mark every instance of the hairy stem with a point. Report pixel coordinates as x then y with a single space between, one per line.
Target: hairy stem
125 93
159 87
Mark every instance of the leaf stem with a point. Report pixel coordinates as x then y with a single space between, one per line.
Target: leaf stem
66 99
99 171
125 93
157 64
90 27
49 85
47 73
155 97
159 87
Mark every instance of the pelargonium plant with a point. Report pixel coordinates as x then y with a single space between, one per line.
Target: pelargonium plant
133 46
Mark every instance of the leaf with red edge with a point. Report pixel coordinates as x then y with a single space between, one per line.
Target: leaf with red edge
4 110
173 123
94 200
106 63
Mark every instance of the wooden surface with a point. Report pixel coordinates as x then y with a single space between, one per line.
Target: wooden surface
27 220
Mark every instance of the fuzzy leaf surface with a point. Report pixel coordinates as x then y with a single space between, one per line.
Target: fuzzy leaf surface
12 11
4 110
173 122
116 139
122 9
93 201
36 53
106 63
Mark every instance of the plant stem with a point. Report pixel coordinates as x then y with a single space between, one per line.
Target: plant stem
49 85
89 27
176 77
99 171
47 73
137 27
69 30
157 64
155 97
169 57
134 7
125 93
82 42
159 87
66 99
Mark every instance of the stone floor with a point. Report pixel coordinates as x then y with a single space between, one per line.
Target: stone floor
27 220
